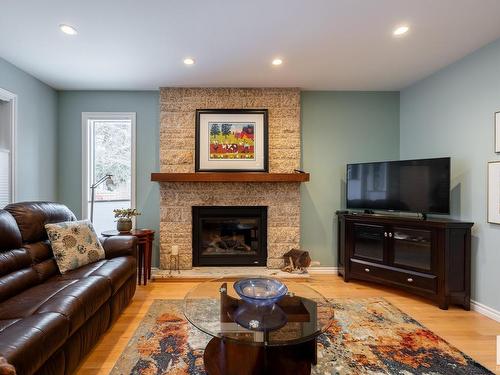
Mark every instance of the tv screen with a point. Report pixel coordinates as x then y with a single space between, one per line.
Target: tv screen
409 185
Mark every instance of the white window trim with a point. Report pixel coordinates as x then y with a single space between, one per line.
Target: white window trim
11 97
86 116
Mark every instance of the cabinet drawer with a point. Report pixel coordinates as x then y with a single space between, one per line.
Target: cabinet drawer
396 276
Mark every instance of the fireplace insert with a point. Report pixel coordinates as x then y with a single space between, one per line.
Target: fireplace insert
229 236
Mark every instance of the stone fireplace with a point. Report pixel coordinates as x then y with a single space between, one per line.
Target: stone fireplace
177 155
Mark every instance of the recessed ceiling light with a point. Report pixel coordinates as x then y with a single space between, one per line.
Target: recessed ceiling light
188 61
67 29
400 30
277 62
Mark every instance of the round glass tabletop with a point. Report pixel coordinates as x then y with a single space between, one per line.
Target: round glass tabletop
215 308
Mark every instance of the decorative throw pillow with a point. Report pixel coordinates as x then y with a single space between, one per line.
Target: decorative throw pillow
74 244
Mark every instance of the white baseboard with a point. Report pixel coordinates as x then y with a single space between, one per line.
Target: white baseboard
323 270
485 310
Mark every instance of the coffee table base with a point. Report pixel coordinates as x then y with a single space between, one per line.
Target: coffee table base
223 357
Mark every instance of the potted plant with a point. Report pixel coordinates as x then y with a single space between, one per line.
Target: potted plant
124 218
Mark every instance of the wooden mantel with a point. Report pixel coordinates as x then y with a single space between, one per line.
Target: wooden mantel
230 177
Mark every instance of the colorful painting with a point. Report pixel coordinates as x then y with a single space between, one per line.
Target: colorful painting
232 140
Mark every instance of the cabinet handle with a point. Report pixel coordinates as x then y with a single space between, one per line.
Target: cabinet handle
367 270
385 234
410 280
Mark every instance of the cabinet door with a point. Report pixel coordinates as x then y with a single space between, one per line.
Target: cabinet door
369 242
412 248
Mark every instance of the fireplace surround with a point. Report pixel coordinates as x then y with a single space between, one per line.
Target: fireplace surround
177 155
229 236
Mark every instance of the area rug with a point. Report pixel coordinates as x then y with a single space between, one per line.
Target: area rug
368 336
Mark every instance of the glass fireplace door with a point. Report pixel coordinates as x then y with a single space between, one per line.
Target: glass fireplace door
229 235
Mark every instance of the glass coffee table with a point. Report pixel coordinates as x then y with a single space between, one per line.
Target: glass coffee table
251 339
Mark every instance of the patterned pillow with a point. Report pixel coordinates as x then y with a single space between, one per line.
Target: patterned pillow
74 244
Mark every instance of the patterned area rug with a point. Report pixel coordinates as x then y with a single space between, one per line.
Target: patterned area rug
369 336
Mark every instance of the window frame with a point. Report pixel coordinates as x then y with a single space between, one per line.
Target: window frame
96 116
12 98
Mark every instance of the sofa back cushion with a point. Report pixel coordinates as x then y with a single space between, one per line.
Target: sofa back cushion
26 258
31 218
13 258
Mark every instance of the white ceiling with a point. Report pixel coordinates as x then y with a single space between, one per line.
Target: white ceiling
325 44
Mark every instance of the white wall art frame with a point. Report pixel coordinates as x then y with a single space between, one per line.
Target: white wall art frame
497 132
494 192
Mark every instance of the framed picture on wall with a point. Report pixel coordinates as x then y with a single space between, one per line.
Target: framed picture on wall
497 132
231 140
494 192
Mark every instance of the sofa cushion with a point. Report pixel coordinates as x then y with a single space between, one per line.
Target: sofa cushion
80 273
74 244
115 271
79 301
76 300
27 302
29 342
31 218
15 282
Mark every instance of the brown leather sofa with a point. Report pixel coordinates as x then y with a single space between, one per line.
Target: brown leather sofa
49 321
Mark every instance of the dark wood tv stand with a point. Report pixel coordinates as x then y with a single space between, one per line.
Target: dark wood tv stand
430 258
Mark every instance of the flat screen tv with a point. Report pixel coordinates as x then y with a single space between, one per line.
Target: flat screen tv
421 186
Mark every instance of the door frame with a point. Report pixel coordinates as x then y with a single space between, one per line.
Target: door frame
10 97
86 116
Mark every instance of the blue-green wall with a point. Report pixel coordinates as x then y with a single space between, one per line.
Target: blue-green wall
451 114
36 134
146 105
337 127
340 128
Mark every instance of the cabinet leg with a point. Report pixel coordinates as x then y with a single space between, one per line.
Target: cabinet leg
139 263
466 304
146 262
443 303
150 251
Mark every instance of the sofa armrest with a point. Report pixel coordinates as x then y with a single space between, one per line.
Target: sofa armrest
117 246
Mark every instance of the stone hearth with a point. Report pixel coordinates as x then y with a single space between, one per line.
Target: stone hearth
177 144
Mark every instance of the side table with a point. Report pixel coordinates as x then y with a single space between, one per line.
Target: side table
145 238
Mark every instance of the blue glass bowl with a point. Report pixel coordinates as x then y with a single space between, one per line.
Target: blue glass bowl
260 291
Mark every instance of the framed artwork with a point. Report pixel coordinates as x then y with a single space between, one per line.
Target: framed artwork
497 132
231 140
494 192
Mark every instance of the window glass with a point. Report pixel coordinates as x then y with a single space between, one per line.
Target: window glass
109 153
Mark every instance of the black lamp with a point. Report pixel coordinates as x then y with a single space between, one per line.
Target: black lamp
93 187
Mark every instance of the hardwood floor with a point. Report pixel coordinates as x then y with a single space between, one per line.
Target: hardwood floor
469 331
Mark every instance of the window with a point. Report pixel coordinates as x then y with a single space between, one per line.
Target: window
108 149
8 108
